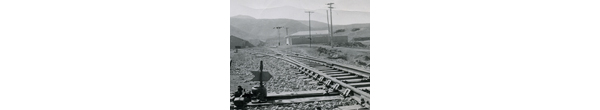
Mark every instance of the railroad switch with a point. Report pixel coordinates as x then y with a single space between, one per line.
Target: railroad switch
259 93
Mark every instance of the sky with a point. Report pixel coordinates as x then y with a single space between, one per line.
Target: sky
348 5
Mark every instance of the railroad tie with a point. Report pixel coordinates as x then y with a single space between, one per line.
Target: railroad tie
340 75
361 84
353 80
364 88
346 77
329 70
336 72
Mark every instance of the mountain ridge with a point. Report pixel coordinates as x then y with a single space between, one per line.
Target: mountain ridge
340 17
249 29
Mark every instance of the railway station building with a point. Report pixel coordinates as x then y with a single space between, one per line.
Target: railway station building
318 37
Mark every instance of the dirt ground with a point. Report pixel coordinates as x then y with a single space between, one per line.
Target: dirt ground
352 54
236 75
283 80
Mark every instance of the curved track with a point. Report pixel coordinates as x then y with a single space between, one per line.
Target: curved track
352 82
349 68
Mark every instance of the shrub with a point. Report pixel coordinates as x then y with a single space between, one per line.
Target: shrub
340 30
361 38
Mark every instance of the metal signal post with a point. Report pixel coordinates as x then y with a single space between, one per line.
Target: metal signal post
260 77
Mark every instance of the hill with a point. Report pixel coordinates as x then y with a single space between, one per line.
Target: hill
243 17
263 28
239 33
315 24
340 17
256 42
251 28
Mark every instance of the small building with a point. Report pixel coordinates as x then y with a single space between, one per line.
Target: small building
318 37
235 42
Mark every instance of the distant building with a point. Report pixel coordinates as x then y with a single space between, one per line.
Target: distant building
318 37
238 42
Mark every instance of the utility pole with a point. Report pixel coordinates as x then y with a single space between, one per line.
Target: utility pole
329 29
309 30
278 34
331 18
287 35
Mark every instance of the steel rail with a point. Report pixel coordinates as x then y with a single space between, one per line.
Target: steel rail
330 62
356 90
292 61
343 67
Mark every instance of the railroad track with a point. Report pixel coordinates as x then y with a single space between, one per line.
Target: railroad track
349 81
343 67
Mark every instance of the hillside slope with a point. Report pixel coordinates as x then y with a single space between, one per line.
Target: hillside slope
239 33
263 28
251 28
290 12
